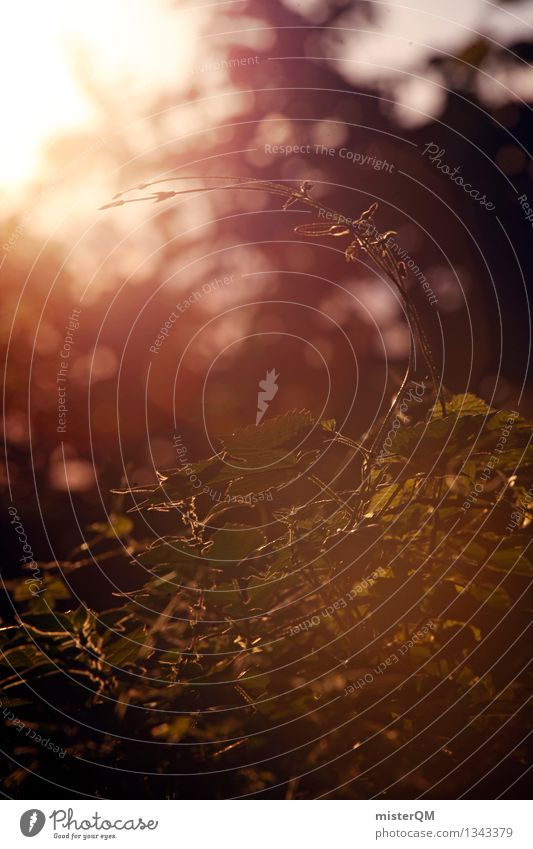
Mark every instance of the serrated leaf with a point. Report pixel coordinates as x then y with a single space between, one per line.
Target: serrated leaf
253 442
466 404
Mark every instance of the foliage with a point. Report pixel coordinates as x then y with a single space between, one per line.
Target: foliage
314 622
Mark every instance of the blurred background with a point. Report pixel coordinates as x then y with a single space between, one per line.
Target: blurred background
100 97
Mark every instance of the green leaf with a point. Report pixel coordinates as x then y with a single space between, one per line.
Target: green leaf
233 543
172 551
49 624
252 442
463 405
24 657
54 590
119 525
281 469
126 649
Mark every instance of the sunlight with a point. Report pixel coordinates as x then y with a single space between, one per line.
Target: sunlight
132 46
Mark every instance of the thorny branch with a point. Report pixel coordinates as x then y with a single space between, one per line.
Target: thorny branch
365 237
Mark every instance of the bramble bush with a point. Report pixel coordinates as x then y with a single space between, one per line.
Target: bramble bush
366 634
321 616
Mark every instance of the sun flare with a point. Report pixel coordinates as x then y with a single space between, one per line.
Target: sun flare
44 96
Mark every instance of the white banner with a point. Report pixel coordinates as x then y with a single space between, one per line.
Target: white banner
267 824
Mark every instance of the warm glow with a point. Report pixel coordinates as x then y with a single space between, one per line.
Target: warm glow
129 47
